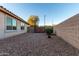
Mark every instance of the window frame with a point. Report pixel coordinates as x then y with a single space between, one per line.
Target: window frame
22 26
14 25
6 25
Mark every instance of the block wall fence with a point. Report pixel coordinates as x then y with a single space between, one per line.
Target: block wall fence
69 30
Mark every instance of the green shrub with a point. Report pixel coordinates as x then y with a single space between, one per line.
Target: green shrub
49 31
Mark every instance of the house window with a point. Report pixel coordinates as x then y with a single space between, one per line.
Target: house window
10 24
14 24
22 26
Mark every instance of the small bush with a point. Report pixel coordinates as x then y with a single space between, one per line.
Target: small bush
49 31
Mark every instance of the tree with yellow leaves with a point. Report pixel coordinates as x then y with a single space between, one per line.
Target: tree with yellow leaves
33 21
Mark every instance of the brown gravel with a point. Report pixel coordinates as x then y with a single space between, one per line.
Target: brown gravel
36 44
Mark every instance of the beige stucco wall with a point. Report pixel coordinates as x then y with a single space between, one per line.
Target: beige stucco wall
69 30
4 33
1 25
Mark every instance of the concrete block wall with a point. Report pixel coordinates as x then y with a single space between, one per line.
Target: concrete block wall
69 30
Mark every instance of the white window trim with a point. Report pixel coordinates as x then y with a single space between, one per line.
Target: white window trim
6 24
21 25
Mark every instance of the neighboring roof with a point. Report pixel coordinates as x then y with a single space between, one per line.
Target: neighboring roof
4 10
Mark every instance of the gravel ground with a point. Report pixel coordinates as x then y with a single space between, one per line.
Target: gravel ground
36 44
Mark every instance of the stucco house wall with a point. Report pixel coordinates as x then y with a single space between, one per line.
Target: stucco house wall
15 32
69 30
5 33
1 25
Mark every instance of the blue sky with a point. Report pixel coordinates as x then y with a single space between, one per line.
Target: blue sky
55 12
